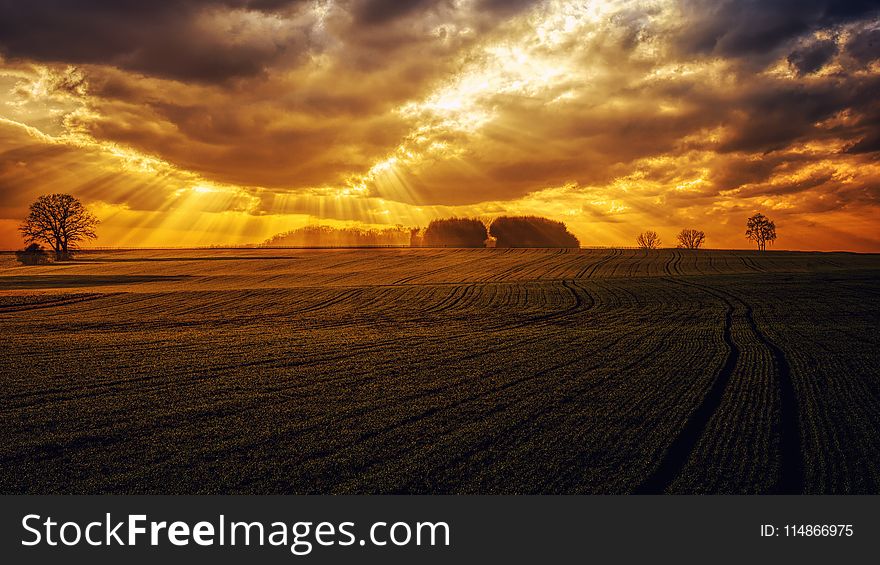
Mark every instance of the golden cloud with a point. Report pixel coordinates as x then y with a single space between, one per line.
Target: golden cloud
221 122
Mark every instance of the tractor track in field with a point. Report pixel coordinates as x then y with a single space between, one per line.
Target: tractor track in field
578 307
505 371
436 392
453 299
58 302
446 268
590 269
332 301
790 480
480 446
569 397
80 391
683 445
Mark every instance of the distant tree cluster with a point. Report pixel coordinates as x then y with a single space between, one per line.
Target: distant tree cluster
531 231
506 231
456 232
759 228
329 236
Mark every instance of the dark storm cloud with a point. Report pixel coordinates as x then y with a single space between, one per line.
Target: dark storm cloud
162 37
506 6
864 46
737 28
381 11
774 118
811 182
768 116
813 57
869 129
373 12
870 144
732 173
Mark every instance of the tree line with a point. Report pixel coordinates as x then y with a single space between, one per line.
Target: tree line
331 236
505 231
759 228
61 221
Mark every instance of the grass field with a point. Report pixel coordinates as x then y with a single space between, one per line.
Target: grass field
441 371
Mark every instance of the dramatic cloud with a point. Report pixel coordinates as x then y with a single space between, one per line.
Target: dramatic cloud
190 40
864 46
757 28
812 58
229 120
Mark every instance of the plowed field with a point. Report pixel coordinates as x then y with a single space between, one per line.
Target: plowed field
441 371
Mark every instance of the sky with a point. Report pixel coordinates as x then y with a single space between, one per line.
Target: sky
228 121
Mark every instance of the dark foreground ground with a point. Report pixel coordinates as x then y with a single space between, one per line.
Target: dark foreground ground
429 371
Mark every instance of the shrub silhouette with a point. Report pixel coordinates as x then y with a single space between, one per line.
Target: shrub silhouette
531 231
456 232
33 254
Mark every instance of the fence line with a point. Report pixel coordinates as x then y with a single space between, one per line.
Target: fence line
306 247
259 247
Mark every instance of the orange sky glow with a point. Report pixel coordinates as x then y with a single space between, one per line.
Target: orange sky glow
183 123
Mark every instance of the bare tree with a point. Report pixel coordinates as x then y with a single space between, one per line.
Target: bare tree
691 239
648 240
761 229
61 221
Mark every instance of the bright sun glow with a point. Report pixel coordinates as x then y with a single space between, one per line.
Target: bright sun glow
466 103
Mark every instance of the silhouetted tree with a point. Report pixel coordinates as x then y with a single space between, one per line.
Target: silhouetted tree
33 254
416 237
648 240
456 232
531 231
691 239
61 221
761 230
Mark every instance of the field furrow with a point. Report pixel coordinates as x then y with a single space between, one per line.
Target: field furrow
441 371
